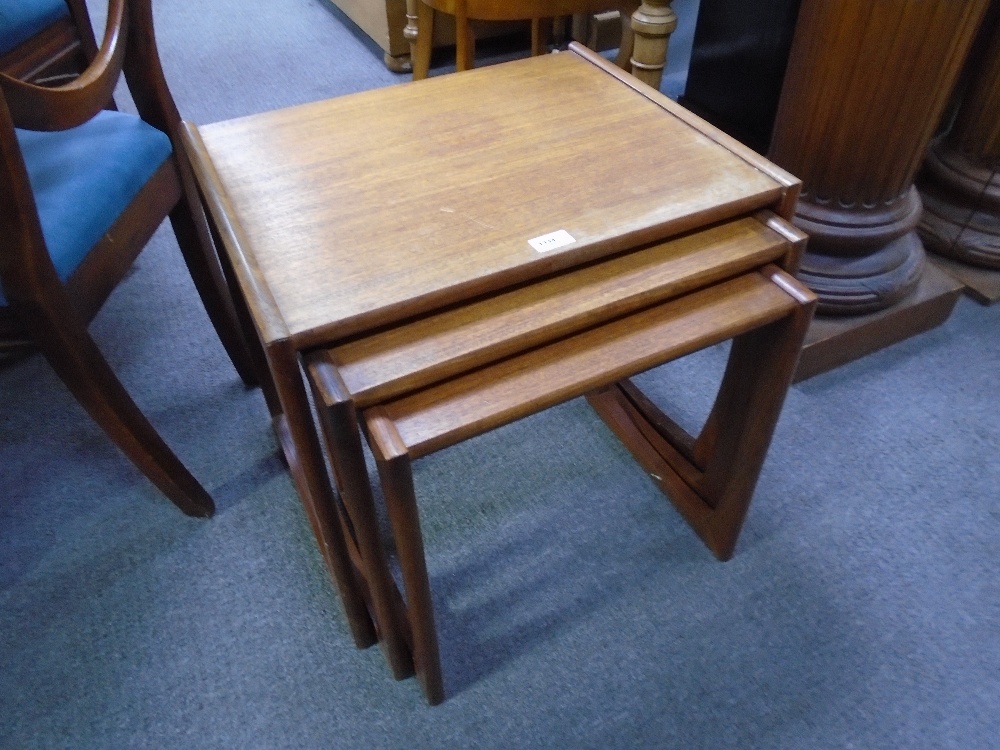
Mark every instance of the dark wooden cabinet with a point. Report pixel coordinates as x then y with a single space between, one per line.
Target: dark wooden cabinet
738 61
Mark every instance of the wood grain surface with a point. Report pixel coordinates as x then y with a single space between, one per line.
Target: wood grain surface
354 222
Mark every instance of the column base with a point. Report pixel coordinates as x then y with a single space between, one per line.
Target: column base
867 283
835 341
860 259
960 231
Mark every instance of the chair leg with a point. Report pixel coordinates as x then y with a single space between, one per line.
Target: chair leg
540 28
465 40
192 233
81 366
420 51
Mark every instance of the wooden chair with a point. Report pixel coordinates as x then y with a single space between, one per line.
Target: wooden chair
82 190
46 41
420 25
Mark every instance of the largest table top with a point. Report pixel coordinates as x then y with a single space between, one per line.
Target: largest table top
341 221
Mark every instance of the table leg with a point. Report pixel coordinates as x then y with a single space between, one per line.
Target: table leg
396 475
652 23
306 462
279 373
711 478
627 44
540 28
465 39
419 32
341 434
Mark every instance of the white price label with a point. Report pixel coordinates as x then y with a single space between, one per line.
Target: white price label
552 240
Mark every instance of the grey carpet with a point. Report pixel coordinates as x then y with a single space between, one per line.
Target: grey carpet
576 610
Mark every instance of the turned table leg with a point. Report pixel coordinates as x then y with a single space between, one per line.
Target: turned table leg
652 24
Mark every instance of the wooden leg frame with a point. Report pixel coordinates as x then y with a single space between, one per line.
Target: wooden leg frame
306 461
340 429
711 479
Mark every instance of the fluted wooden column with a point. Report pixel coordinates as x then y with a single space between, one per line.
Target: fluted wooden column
960 180
866 85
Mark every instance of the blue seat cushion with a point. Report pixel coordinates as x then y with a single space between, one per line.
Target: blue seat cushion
84 177
22 19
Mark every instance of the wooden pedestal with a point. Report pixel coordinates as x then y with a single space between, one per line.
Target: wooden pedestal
960 180
835 341
866 85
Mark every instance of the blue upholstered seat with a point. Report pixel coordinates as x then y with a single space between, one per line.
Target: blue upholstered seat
22 19
83 178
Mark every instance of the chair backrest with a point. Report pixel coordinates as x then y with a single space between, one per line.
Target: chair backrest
36 107
37 123
22 20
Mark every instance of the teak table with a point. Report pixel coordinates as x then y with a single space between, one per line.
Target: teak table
543 229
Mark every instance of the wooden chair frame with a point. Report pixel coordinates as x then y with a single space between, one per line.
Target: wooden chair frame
53 315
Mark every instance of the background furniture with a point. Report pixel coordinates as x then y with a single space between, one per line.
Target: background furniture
83 190
959 182
422 14
866 86
737 66
391 25
490 272
646 29
384 22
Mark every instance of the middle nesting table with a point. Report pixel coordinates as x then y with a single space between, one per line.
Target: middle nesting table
433 382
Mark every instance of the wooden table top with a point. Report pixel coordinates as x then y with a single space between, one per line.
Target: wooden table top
351 213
